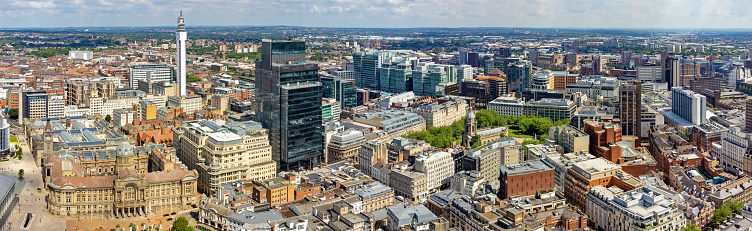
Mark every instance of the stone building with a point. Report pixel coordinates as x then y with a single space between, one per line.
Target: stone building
124 193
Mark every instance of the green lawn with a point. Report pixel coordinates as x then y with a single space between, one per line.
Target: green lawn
518 133
13 139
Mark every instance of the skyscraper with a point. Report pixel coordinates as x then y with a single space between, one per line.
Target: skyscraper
630 109
180 55
289 95
343 90
688 105
366 65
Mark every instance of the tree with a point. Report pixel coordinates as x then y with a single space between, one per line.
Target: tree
20 174
476 142
108 118
13 113
181 224
691 227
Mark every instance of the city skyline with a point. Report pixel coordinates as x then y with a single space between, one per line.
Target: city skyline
381 14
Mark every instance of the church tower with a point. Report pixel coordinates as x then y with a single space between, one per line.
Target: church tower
471 129
48 138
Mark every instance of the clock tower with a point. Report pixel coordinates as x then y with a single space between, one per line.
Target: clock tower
48 138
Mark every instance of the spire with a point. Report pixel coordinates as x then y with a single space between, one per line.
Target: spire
181 22
48 126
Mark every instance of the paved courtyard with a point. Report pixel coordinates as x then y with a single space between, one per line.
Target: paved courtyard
30 200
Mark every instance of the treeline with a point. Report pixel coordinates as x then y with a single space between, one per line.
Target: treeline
531 125
442 137
49 52
251 55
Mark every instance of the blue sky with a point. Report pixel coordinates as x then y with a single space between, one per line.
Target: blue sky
382 13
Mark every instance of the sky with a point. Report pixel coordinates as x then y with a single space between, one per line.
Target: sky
381 13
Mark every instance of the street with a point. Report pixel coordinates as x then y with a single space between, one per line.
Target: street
30 200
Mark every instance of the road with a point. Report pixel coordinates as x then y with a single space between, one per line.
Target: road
30 200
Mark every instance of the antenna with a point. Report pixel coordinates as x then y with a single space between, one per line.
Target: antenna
181 13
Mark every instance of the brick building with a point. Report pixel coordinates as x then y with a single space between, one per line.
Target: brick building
525 179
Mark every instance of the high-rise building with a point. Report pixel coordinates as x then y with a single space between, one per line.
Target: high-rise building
396 77
630 109
288 95
689 105
518 76
182 36
671 69
463 72
150 72
77 93
366 65
341 89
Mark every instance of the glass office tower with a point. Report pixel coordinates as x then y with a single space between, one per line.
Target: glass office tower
288 93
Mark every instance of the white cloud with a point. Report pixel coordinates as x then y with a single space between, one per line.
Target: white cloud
381 13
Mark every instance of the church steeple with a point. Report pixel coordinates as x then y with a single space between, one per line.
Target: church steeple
471 129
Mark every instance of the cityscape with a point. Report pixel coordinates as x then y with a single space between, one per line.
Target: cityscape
423 126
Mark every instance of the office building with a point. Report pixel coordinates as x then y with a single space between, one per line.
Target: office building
77 93
542 80
190 104
330 109
444 114
497 83
375 196
506 105
180 55
646 208
40 104
121 117
731 151
147 110
366 66
571 138
583 175
396 76
438 167
649 73
525 179
395 123
464 72
670 69
689 105
478 90
345 146
630 108
150 72
85 55
426 79
220 102
341 89
223 153
518 76
562 163
403 216
288 97
4 137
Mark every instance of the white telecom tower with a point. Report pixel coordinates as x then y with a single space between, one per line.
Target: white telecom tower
180 58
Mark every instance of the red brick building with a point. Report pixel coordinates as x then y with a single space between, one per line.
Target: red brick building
525 179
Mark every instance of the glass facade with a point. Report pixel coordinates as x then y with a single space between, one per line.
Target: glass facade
288 94
343 90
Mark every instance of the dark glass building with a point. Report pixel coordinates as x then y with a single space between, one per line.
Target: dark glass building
288 94
343 90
